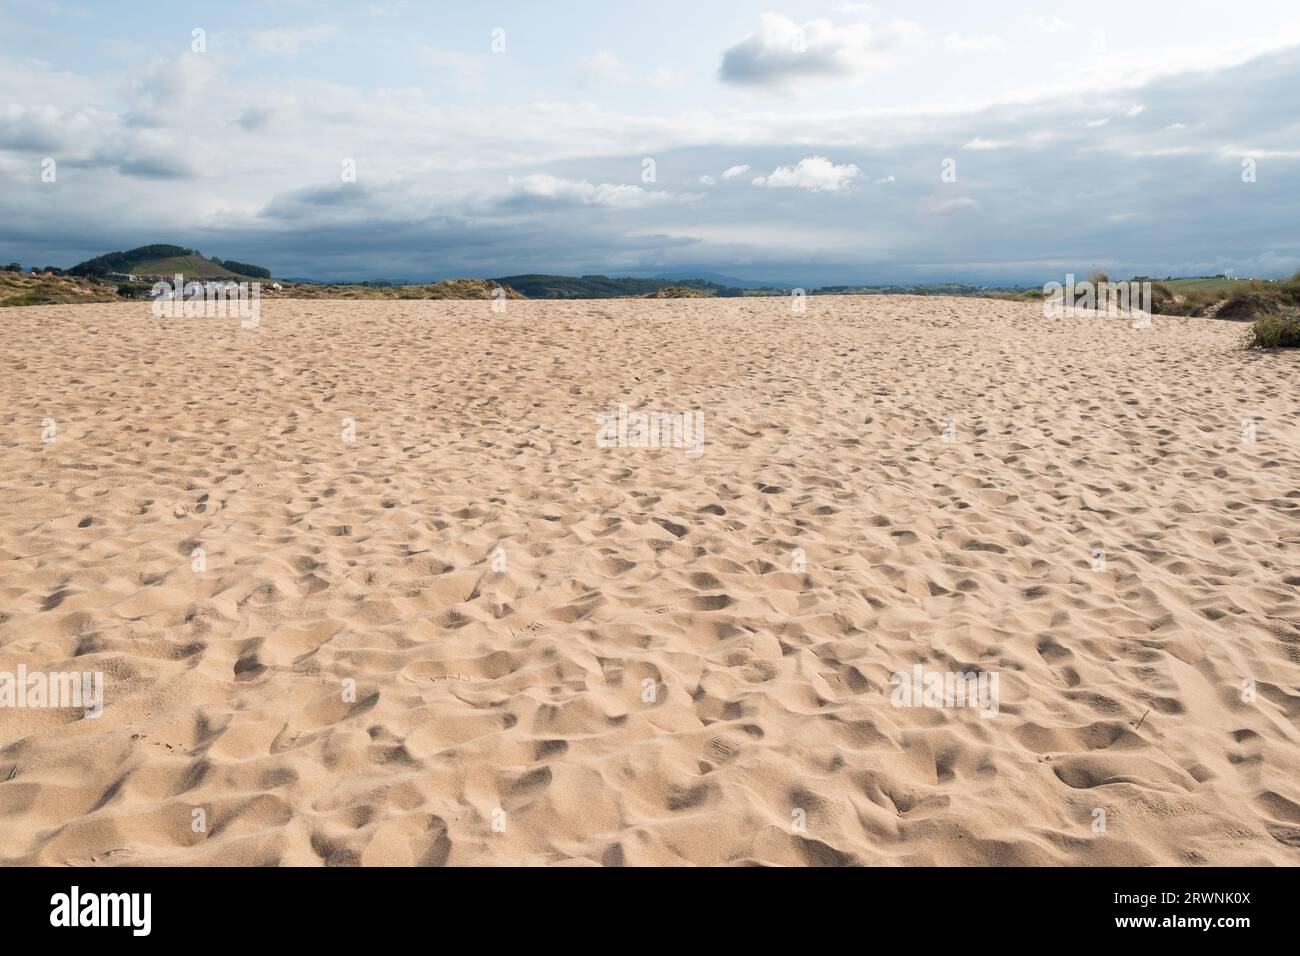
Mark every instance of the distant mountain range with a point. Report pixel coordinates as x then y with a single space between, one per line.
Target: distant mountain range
168 260
719 279
603 287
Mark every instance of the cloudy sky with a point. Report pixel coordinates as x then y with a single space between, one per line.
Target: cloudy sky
794 142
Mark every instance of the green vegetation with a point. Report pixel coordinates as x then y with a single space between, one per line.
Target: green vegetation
1014 293
603 287
15 267
1209 297
1274 331
1208 284
1240 299
191 267
18 289
166 260
23 298
678 292
126 261
244 269
1205 296
447 289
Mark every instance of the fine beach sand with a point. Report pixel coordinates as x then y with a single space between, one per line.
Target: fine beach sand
517 698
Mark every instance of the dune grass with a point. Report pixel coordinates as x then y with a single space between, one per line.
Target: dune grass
1241 300
19 289
1274 332
678 292
447 289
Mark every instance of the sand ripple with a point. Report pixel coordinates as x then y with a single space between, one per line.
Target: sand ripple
680 661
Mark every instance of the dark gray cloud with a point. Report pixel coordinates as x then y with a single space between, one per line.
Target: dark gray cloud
782 52
158 167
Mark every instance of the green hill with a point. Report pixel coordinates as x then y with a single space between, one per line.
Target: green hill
1209 284
192 267
167 260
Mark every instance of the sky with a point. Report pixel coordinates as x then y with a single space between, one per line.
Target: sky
790 142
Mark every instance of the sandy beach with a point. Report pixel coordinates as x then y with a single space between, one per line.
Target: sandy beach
364 587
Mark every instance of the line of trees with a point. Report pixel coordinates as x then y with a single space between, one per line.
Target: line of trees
15 267
244 269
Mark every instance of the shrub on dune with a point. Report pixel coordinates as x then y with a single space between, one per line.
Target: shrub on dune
1289 289
1274 332
1162 298
678 292
1248 304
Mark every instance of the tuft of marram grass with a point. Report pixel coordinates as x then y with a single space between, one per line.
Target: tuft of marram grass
1246 299
1274 332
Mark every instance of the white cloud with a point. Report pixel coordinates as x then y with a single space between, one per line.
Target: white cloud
885 180
167 88
815 173
437 165
616 195
784 53
707 181
47 129
735 171
1137 109
1129 70
957 43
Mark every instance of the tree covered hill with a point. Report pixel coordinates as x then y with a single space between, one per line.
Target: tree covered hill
162 259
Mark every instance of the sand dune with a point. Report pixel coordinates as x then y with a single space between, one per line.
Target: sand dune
564 653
